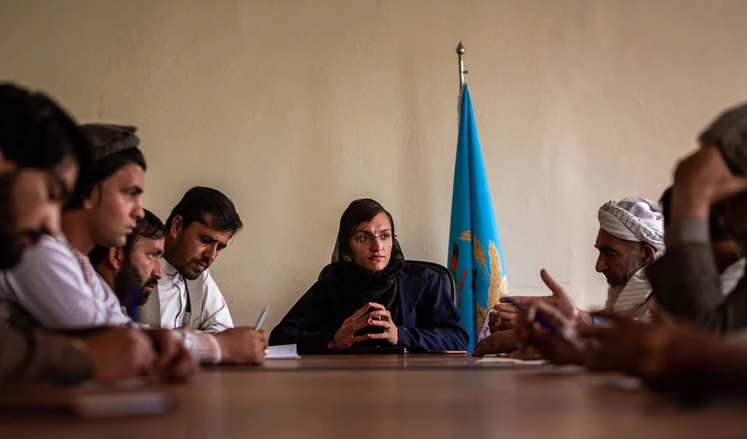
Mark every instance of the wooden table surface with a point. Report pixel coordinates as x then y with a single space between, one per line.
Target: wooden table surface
403 396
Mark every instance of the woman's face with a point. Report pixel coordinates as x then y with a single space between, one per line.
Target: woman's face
371 243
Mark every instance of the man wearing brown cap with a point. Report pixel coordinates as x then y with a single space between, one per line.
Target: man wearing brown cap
55 285
44 158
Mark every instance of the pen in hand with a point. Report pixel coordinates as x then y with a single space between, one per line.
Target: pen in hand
261 319
569 333
542 321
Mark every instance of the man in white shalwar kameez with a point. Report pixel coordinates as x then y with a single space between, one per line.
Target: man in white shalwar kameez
630 237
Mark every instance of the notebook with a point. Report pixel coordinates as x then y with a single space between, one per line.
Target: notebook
282 352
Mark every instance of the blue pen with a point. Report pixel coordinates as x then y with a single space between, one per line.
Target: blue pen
542 321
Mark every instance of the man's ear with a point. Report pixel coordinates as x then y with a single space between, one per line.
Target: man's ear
648 253
93 199
116 258
177 225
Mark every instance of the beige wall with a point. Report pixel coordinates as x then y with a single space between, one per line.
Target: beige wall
294 108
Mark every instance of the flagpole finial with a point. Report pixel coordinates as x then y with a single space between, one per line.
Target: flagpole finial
460 51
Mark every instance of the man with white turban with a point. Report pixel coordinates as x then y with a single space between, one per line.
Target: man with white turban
630 238
710 184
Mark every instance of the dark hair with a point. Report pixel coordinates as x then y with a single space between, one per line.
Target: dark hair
359 211
105 167
200 202
728 132
717 231
36 133
150 226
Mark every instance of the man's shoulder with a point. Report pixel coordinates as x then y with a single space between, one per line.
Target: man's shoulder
205 275
47 269
203 278
204 282
49 253
208 282
49 246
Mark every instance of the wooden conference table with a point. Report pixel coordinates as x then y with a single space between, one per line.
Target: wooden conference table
382 397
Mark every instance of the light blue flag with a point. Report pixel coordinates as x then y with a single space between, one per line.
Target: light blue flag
475 256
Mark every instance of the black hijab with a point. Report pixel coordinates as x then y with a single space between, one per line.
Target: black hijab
359 285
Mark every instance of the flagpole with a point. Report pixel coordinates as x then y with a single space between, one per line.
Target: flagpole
460 52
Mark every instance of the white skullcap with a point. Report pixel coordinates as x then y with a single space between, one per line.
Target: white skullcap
634 219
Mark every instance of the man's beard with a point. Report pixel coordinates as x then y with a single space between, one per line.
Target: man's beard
127 283
10 241
10 249
613 291
190 276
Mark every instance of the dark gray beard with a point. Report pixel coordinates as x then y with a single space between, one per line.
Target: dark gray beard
633 267
125 281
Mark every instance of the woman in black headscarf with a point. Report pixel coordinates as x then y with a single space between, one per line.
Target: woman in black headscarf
369 296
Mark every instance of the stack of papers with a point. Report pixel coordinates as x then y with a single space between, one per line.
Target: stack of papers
282 352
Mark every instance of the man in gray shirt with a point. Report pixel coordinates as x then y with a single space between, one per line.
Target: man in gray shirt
686 281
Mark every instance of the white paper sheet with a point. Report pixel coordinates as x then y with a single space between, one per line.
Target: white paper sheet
282 352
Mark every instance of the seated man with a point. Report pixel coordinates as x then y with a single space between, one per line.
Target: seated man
133 272
42 155
630 238
729 263
198 228
54 285
673 354
105 217
686 283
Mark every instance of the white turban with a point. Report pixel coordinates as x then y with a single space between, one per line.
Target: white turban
634 219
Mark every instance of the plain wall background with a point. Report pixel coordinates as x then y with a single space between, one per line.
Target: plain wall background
295 108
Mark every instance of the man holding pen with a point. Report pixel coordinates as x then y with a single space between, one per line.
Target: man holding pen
134 270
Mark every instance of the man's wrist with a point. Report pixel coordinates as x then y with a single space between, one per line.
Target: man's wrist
689 203
225 349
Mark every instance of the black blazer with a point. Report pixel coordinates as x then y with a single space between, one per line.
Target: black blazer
429 319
